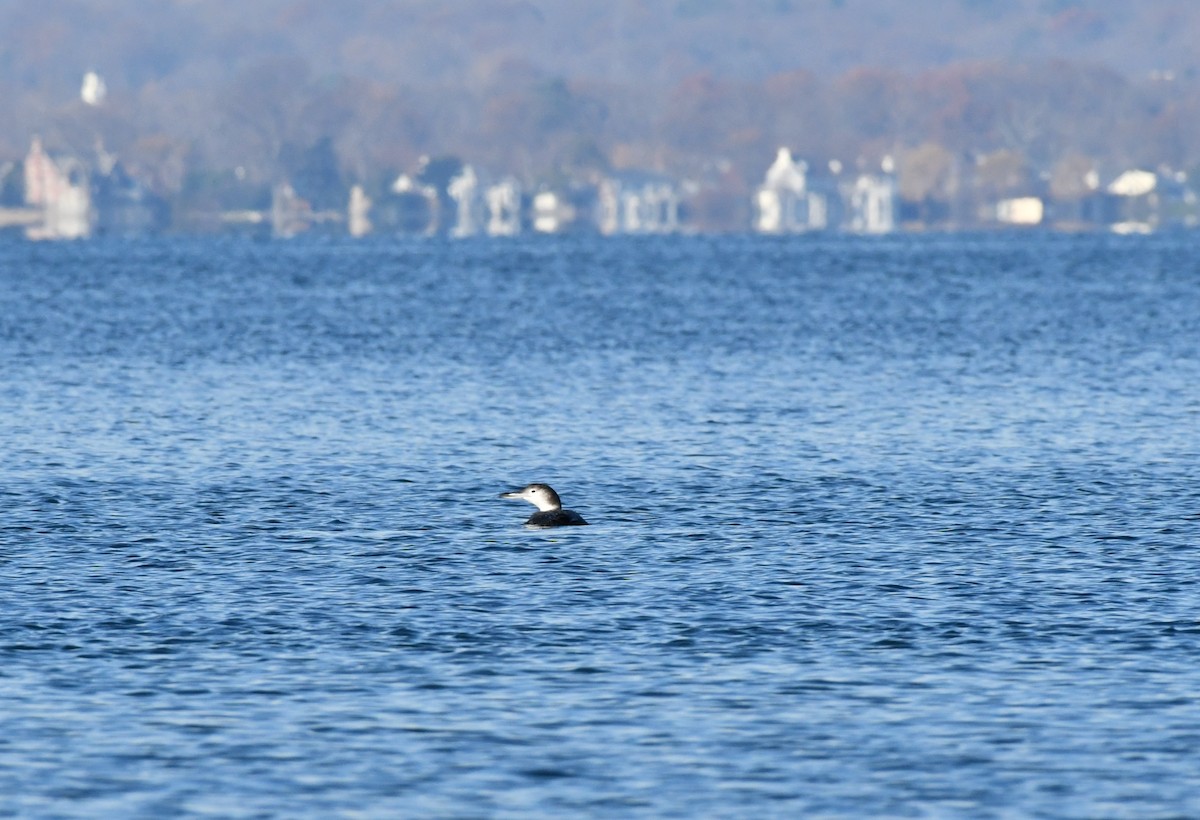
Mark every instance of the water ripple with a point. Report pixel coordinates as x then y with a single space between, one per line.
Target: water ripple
893 528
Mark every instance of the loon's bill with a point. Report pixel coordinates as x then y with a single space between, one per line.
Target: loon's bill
550 510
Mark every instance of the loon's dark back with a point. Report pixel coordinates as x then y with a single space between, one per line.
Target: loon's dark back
556 518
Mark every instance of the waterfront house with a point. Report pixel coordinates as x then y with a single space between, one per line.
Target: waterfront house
503 208
633 202
784 202
60 188
872 204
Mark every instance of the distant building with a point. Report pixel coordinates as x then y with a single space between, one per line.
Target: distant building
61 189
468 211
290 214
1134 183
76 201
1022 210
872 203
93 91
504 208
784 203
637 203
407 207
1178 205
550 212
1133 202
358 219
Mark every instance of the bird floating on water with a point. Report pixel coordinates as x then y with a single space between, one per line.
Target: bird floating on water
550 510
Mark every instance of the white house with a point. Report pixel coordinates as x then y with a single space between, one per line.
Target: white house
784 203
1022 210
551 213
358 212
873 204
1136 204
637 203
1134 183
464 190
504 208
62 190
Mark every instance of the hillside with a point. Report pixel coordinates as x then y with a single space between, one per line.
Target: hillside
439 42
537 88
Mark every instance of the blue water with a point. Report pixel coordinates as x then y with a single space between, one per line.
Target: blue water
905 527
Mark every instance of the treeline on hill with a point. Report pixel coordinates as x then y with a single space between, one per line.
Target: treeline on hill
277 120
211 110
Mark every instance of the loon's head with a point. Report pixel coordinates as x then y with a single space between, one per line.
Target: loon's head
541 496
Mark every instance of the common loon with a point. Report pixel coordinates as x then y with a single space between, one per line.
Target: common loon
550 512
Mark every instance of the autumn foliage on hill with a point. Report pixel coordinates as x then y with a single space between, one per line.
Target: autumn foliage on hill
210 97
